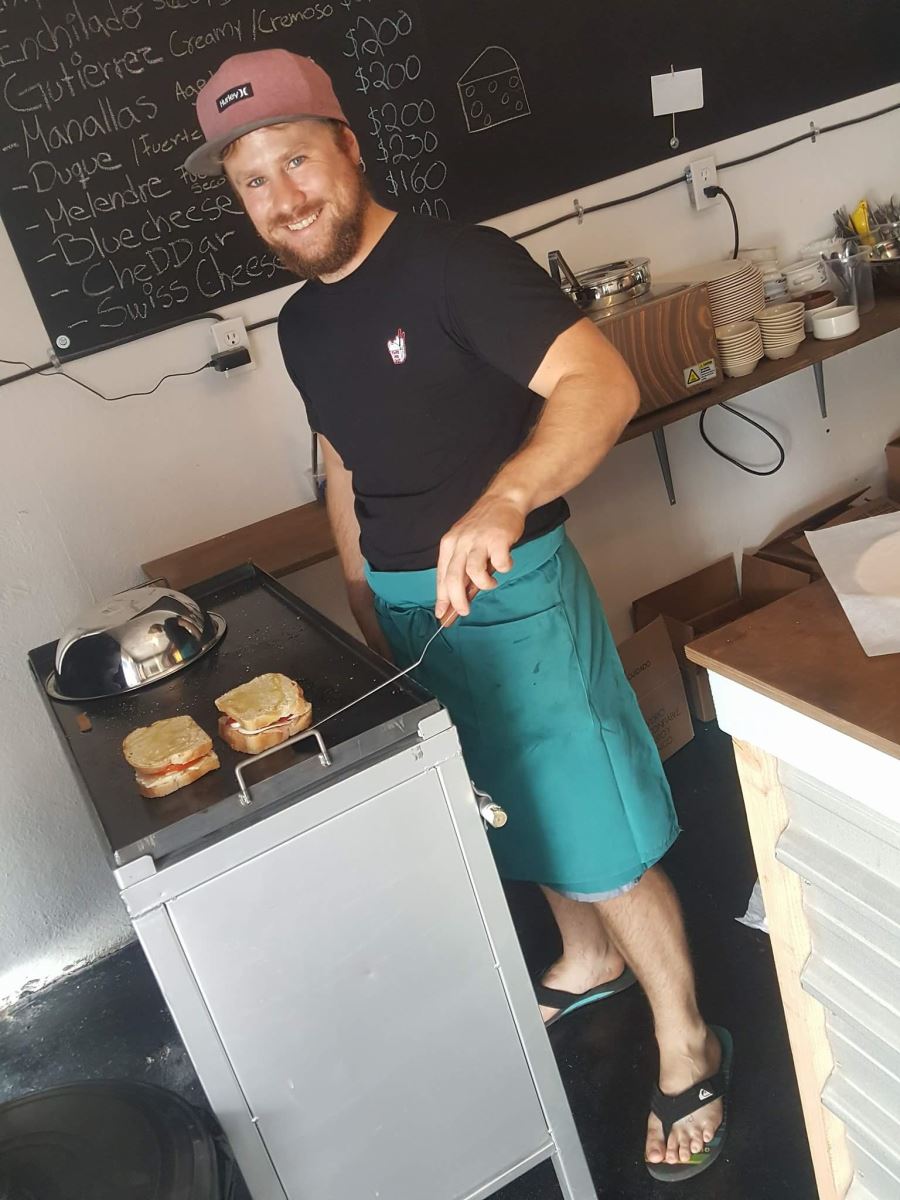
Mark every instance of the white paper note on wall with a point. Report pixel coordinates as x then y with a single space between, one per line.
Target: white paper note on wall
861 561
677 91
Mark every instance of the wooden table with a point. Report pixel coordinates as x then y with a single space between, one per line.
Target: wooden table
816 729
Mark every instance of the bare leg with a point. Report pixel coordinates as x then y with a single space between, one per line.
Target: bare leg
589 956
646 924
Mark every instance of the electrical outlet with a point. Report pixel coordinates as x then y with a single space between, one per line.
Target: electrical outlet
228 335
702 174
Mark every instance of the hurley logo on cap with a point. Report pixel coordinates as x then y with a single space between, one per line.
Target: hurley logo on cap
242 92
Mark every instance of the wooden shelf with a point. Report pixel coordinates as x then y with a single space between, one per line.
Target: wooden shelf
302 536
280 544
884 318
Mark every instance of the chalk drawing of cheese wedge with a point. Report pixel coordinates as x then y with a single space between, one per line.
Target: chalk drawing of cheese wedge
491 90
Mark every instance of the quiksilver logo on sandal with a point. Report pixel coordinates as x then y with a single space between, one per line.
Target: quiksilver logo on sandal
242 92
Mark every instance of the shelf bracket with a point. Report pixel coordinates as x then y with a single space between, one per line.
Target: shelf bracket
820 388
662 453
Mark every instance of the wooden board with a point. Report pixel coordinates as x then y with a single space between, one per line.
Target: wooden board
281 544
658 338
767 816
802 651
884 318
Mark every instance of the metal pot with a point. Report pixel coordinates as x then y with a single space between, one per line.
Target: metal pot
604 286
134 638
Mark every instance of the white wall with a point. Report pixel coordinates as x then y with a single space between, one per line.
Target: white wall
89 490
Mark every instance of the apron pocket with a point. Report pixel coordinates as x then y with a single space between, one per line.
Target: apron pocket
524 677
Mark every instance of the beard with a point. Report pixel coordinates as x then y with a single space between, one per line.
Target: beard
347 216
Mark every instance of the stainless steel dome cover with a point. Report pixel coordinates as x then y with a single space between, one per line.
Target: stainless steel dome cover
134 638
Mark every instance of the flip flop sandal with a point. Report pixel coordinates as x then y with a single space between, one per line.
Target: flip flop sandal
670 1109
567 1002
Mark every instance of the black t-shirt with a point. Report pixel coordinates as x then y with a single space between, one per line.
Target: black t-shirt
416 368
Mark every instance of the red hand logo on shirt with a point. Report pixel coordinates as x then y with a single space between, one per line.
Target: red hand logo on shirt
397 348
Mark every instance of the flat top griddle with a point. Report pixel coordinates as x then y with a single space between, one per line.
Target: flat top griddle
269 629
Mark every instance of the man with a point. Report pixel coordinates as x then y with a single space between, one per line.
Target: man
458 395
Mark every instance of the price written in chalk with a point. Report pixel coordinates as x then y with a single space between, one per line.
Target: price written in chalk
417 179
398 118
367 38
388 76
397 148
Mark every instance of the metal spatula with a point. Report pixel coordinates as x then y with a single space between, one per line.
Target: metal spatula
448 620
313 731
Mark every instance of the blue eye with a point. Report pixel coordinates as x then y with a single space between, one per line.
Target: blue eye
257 182
297 160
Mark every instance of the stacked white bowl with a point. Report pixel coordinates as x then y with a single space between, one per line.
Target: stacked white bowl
740 347
782 328
765 259
805 275
774 283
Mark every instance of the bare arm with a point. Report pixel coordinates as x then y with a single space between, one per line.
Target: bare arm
345 527
590 397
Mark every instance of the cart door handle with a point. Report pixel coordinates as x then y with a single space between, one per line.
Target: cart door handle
324 758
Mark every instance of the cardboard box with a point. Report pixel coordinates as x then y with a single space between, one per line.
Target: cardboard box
707 600
875 507
652 670
892 454
788 548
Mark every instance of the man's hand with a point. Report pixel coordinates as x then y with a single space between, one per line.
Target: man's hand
477 546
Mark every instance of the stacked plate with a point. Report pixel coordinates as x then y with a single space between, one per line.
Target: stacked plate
735 288
782 328
740 347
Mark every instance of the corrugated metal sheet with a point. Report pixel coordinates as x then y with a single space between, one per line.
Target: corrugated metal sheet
865 891
859 1191
849 859
872 1181
860 950
875 1155
804 788
865 1059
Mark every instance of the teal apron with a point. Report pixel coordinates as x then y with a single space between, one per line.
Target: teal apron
549 725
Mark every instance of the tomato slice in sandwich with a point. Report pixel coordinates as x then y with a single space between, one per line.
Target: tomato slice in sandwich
266 728
171 770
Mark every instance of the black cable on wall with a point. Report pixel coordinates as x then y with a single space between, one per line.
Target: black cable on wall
814 133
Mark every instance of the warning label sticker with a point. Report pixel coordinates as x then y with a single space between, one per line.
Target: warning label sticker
701 372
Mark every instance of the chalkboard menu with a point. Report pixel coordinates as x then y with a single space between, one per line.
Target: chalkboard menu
461 111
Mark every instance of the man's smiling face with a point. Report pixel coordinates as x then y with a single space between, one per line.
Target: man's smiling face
304 192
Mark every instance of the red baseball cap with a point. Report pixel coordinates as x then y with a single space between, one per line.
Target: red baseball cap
264 87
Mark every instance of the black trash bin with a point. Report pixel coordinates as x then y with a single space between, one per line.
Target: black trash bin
111 1140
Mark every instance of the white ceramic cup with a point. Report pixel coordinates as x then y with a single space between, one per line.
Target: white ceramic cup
835 322
811 312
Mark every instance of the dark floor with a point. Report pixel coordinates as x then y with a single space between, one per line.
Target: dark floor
110 1021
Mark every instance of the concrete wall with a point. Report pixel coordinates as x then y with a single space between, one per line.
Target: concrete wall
88 489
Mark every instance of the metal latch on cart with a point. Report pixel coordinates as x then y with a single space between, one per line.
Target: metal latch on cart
492 814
